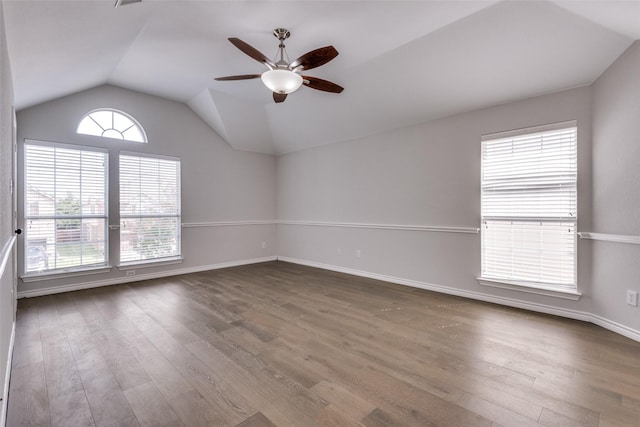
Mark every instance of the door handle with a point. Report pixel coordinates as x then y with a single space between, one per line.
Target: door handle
18 231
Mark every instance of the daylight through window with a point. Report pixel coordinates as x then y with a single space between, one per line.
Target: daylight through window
529 205
149 208
65 201
112 124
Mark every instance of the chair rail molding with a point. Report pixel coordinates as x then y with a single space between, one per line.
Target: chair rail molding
404 227
227 223
608 237
371 226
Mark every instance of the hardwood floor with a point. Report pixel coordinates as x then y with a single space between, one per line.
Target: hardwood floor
278 344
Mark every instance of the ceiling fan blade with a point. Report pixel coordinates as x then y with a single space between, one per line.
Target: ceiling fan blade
315 58
319 84
241 77
252 52
279 97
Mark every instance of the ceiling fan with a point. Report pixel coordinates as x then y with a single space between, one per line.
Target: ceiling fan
284 77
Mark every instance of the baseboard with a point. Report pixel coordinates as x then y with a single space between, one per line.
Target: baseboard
510 302
7 377
615 327
139 277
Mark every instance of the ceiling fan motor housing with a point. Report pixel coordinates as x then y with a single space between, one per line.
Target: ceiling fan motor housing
281 33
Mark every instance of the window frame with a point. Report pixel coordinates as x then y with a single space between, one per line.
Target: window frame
51 273
173 259
113 111
538 287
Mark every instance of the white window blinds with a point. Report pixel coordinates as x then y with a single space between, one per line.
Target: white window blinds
529 206
149 208
65 199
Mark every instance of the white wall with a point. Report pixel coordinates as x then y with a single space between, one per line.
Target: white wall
7 275
616 187
219 184
424 175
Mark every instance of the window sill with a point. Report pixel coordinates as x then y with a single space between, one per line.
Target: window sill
150 263
62 274
532 288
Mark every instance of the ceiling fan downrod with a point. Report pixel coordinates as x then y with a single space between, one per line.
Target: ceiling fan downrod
282 34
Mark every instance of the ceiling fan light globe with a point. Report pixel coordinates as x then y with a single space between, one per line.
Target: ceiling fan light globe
281 81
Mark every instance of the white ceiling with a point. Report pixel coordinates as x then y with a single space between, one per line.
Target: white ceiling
401 62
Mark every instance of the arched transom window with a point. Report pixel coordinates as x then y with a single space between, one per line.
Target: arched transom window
110 123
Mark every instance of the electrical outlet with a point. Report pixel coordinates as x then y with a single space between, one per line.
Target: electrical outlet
264 245
131 272
358 253
632 298
339 251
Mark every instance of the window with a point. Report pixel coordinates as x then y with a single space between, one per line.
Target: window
112 124
65 196
529 206
149 208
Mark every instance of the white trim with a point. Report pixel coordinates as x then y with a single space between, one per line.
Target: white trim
511 302
149 155
61 273
606 237
127 279
113 110
615 327
150 263
6 251
64 274
43 143
227 223
404 227
531 129
7 377
531 288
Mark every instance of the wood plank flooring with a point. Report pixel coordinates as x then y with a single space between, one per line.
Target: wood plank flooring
278 344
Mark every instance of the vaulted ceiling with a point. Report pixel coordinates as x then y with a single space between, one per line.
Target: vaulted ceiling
400 62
